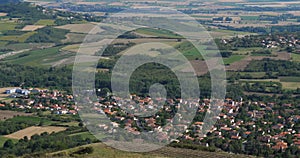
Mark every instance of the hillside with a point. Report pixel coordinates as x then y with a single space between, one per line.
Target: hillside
100 150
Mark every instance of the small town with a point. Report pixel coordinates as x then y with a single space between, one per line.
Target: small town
241 121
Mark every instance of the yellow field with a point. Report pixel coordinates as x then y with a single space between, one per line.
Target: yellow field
32 27
30 131
290 85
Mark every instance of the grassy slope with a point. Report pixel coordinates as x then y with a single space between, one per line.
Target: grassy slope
101 150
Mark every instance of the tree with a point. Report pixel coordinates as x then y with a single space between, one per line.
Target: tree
9 144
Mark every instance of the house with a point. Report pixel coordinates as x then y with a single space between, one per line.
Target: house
280 146
10 91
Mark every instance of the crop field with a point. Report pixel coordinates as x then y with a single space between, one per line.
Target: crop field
232 59
32 27
245 51
74 37
34 58
71 48
249 17
189 51
157 33
27 118
21 38
30 131
7 25
290 79
22 46
290 85
296 57
81 28
216 33
6 114
47 22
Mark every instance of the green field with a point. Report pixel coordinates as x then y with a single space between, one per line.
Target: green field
21 46
189 51
290 79
26 118
232 59
158 33
21 38
47 22
249 17
245 51
38 57
252 74
296 57
7 26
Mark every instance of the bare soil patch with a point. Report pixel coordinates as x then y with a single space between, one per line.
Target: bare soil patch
32 27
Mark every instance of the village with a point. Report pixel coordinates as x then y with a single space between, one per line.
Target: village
238 121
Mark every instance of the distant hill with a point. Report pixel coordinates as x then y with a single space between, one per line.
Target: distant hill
9 1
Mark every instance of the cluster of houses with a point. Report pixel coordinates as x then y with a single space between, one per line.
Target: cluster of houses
270 133
43 99
280 41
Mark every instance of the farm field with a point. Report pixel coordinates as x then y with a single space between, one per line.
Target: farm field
296 57
44 57
157 33
47 22
232 59
7 25
32 27
6 114
74 37
21 38
30 131
81 28
22 46
290 85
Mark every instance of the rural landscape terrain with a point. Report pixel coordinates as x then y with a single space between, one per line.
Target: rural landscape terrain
41 115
